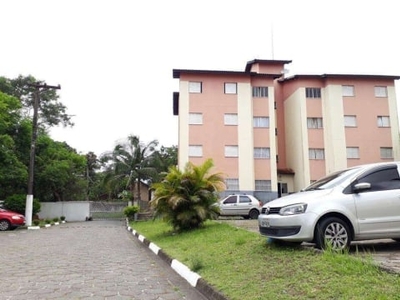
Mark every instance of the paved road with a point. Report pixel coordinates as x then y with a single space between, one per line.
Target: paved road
85 260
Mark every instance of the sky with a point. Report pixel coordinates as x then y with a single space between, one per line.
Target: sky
114 59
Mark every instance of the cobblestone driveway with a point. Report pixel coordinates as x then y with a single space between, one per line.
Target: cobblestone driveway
86 260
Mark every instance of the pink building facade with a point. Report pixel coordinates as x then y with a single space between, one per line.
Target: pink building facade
270 135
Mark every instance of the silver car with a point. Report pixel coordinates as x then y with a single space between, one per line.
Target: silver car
246 206
359 203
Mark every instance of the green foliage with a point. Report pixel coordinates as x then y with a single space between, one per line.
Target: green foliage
36 222
62 218
130 211
255 270
186 199
17 203
56 219
127 165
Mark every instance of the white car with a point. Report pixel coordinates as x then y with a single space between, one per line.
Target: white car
246 206
359 203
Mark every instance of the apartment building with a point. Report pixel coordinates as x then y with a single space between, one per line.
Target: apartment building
271 135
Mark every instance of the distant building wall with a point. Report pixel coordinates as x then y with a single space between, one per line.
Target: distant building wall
72 210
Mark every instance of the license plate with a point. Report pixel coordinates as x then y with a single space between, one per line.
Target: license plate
265 223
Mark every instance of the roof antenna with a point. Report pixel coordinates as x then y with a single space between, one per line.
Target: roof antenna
272 40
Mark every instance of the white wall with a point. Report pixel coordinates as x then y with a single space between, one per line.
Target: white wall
72 210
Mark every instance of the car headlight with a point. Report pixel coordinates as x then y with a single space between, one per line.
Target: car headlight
293 209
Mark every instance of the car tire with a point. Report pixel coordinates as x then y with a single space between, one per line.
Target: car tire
4 225
333 233
253 214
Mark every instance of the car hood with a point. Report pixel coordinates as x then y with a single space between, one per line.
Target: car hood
299 197
10 213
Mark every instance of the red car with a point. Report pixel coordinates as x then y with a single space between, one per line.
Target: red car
10 220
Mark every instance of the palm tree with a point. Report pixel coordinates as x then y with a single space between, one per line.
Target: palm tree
128 164
186 199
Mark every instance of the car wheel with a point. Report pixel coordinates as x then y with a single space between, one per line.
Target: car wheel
333 233
253 214
4 225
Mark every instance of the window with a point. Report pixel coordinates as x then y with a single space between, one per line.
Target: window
383 121
314 123
382 180
352 152
195 150
381 91
313 93
350 121
348 90
231 151
232 184
316 153
260 91
195 87
261 122
244 199
230 88
230 119
386 152
195 118
231 200
263 185
261 153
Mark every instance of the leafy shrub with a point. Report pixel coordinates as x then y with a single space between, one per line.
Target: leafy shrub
186 199
36 222
17 203
56 219
62 218
47 221
130 211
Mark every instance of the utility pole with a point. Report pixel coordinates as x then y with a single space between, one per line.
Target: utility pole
39 86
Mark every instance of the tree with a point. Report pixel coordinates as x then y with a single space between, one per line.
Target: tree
51 111
13 173
128 164
162 160
186 199
60 171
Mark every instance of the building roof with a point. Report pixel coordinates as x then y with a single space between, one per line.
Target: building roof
342 76
265 61
176 73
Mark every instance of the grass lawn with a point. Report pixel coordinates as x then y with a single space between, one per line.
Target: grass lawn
243 266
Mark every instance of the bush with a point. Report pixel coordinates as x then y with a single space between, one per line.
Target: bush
62 218
17 203
36 222
130 211
56 219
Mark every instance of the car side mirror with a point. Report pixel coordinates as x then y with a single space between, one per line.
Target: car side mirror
362 186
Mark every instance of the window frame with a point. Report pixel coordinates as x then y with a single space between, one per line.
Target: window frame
194 89
262 185
380 91
232 184
381 121
313 92
258 122
352 152
259 92
389 150
231 122
193 120
348 91
317 120
319 153
195 151
229 87
262 153
348 117
231 151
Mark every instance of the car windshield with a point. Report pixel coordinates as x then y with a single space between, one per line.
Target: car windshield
331 180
